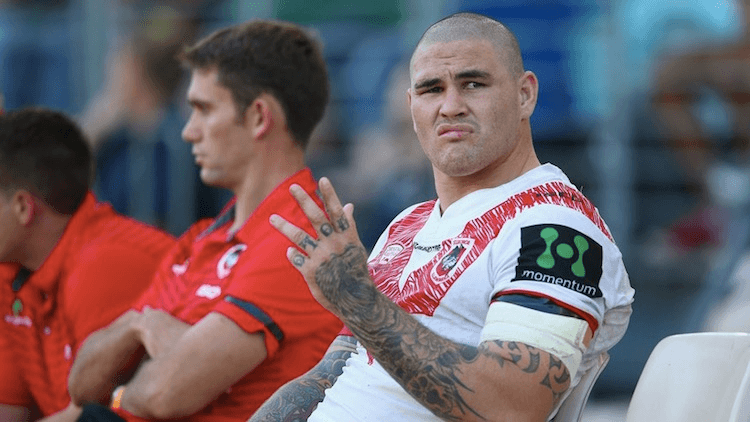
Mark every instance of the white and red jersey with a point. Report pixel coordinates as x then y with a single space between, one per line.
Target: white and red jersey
536 235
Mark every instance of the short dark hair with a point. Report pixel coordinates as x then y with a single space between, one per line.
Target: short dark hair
44 151
267 56
469 25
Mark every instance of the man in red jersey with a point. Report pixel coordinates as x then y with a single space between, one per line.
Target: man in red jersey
70 265
226 321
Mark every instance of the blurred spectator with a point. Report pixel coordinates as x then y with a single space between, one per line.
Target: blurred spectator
35 53
388 170
702 106
702 109
144 169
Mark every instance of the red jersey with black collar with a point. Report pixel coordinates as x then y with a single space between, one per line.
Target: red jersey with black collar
102 263
246 277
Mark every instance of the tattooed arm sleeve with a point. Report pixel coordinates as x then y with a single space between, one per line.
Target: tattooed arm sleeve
495 381
296 400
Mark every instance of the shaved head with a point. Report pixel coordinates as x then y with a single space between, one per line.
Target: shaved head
466 26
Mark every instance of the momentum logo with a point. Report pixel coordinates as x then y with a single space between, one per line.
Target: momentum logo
556 254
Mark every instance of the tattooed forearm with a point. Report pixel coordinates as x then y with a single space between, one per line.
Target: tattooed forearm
296 400
435 371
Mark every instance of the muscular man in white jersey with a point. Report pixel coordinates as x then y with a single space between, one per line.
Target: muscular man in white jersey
488 303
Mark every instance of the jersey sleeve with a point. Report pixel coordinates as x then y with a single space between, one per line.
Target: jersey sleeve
573 273
267 294
107 282
560 254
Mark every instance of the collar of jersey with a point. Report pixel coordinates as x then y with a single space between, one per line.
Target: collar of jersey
48 275
279 199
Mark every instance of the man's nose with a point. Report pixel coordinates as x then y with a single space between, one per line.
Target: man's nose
190 132
454 103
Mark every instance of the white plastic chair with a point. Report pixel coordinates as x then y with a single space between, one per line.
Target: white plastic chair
695 377
571 409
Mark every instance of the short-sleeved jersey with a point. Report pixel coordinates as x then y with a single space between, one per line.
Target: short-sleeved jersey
536 235
102 263
246 277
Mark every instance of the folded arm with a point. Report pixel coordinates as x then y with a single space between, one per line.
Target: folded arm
106 359
188 366
194 369
69 414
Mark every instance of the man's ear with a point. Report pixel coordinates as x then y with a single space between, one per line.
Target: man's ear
528 94
260 115
24 207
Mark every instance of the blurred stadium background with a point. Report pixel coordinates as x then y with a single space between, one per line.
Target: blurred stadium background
595 63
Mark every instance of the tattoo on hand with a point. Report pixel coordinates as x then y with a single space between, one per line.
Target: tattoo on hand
298 260
307 241
326 229
344 278
342 223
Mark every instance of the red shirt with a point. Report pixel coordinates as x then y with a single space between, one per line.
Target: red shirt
247 278
100 266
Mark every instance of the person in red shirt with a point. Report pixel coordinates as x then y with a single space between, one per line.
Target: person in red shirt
226 322
69 264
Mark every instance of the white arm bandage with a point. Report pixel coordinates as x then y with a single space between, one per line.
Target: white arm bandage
561 336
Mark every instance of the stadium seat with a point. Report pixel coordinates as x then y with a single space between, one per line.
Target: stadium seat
572 408
695 377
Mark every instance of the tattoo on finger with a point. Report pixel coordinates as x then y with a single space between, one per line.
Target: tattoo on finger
298 260
342 223
326 229
307 241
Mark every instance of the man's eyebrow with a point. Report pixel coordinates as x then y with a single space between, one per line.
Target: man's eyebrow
473 73
196 102
466 74
427 83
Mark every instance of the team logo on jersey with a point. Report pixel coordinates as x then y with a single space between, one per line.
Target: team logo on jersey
180 269
451 258
229 259
390 252
560 255
16 319
17 307
208 291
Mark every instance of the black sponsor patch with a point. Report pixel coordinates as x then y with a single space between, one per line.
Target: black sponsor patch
556 254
